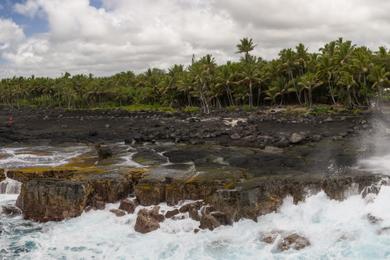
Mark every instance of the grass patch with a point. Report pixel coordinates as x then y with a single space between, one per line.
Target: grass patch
189 109
148 108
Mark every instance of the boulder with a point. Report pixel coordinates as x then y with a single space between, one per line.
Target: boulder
293 241
373 219
208 222
296 138
270 237
235 136
11 211
53 200
148 220
194 214
193 205
171 213
127 205
118 212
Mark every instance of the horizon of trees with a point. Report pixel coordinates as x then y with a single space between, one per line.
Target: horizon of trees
339 73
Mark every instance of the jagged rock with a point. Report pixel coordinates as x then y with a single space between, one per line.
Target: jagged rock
2 175
373 219
264 195
127 205
293 241
150 193
209 222
171 213
193 205
88 208
270 237
118 212
148 220
11 210
207 210
54 194
99 205
110 188
222 218
296 138
53 200
194 214
103 152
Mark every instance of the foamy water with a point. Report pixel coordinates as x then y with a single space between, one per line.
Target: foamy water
336 230
38 156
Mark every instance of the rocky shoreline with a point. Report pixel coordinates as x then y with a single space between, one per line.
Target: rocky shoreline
58 193
215 169
272 127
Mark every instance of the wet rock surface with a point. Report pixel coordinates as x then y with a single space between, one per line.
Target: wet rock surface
118 212
52 200
2 175
293 241
11 210
148 220
234 171
128 206
54 194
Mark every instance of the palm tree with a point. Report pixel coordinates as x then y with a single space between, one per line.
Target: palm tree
249 75
245 46
225 78
346 82
278 88
380 78
202 72
310 81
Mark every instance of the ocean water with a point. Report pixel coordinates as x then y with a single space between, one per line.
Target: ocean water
336 230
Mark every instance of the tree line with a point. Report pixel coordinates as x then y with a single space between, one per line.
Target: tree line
339 73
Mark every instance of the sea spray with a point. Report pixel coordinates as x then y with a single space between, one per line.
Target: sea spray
9 186
335 229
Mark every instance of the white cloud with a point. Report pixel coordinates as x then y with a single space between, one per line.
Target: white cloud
134 34
10 34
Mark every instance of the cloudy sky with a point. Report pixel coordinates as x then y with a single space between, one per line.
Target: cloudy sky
49 37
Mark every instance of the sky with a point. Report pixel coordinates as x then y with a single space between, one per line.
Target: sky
103 37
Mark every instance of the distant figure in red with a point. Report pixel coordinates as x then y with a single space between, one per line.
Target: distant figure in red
10 121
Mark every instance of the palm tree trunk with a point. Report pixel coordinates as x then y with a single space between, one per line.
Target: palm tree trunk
258 95
230 97
349 97
331 92
250 94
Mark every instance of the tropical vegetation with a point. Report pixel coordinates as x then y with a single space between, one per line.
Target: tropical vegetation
339 73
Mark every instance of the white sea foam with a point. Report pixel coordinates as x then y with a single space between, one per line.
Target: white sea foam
9 186
336 230
38 156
